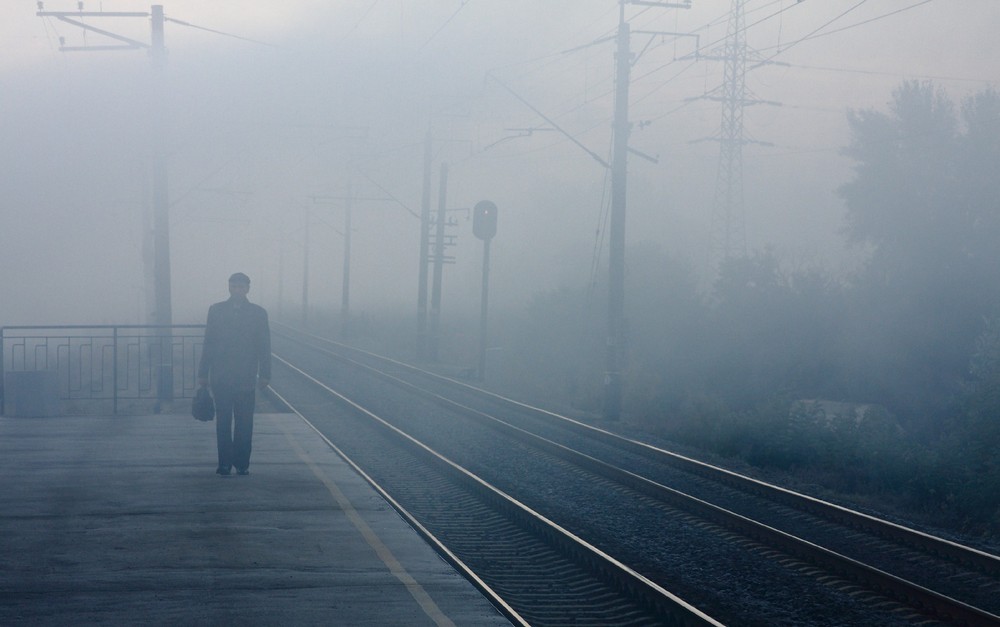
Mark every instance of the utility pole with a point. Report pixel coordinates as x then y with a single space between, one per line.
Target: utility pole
305 274
350 198
425 220
162 311
621 128
484 226
439 244
427 340
281 276
163 314
616 242
345 292
161 216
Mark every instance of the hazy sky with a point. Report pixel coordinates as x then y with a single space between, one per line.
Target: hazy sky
274 109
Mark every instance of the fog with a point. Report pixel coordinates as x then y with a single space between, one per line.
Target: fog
274 110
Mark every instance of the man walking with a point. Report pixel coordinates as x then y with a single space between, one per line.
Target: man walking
235 358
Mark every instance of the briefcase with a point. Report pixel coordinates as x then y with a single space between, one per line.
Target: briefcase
202 405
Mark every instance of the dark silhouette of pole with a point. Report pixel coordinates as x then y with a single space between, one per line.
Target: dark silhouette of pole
484 226
162 311
484 310
281 276
305 275
621 128
439 225
345 296
616 241
163 314
425 220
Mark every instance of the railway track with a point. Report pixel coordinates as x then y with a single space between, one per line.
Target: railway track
532 570
741 550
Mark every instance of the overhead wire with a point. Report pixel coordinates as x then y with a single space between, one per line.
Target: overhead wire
815 34
781 23
602 221
849 27
713 43
608 80
782 9
217 32
47 26
387 192
770 16
605 209
446 22
812 33
603 94
718 87
935 77
599 235
363 17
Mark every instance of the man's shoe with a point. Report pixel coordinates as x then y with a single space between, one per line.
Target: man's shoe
222 472
243 471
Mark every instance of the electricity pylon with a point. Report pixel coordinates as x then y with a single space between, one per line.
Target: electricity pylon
729 237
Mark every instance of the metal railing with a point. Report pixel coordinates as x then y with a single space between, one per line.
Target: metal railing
98 367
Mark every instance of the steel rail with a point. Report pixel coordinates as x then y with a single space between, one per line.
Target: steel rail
918 596
946 549
624 578
509 612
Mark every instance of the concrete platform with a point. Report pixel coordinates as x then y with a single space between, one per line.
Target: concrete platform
121 520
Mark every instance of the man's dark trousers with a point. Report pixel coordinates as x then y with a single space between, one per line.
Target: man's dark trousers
234 426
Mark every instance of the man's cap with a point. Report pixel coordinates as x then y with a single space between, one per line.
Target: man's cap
239 277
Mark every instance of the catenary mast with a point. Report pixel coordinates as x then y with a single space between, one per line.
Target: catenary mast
621 129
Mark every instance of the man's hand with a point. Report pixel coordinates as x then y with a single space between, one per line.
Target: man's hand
202 381
262 383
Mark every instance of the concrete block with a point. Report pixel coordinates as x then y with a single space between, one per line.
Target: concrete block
31 393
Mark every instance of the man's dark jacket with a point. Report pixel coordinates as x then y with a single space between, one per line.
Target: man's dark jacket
237 345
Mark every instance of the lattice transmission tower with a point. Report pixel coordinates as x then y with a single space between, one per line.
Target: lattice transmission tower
729 236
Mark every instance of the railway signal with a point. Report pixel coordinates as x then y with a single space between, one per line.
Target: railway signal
484 220
484 226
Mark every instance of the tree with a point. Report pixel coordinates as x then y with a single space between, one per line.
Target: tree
773 333
904 173
666 331
924 199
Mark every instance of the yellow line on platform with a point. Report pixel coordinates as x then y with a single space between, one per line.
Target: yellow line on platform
417 591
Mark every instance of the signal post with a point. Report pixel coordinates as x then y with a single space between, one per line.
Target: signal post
484 226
